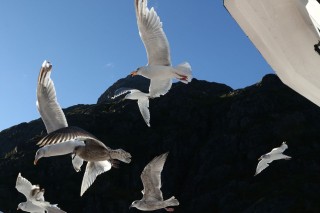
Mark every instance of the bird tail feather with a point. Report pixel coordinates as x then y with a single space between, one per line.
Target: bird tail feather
184 72
121 155
172 201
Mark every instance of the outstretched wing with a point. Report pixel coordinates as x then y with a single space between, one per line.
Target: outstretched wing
93 169
66 134
143 104
263 163
29 206
152 34
159 87
24 186
50 208
48 106
151 179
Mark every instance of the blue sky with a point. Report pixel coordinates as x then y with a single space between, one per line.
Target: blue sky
92 44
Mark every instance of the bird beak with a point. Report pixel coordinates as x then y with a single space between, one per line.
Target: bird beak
18 208
134 73
130 206
35 162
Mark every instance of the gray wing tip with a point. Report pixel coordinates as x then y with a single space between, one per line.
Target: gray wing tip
165 154
161 157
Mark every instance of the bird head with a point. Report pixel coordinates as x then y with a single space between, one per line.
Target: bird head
39 154
284 144
262 156
135 204
137 72
21 206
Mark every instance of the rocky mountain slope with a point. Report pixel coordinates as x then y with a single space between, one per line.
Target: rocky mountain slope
214 135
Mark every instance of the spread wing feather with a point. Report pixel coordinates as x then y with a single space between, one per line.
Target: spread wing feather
93 169
66 134
151 179
47 104
152 34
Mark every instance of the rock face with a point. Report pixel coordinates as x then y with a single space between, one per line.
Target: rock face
214 136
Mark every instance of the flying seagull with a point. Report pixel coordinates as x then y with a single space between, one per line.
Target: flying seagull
35 198
275 154
159 69
152 196
62 139
141 97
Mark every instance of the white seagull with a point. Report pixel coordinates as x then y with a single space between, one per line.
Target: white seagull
159 69
62 139
35 198
152 196
275 154
141 97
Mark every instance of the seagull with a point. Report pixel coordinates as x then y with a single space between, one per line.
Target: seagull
35 198
159 69
141 97
152 196
275 154
63 139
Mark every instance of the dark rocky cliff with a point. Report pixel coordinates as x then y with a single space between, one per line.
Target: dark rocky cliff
214 135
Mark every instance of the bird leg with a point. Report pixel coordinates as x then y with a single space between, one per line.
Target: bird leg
169 209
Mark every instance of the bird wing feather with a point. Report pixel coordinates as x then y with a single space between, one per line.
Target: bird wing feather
143 104
93 169
159 87
151 179
66 134
77 162
47 104
263 163
122 91
152 34
50 208
24 186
